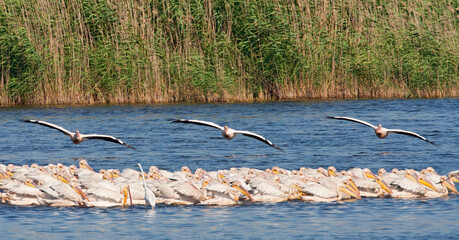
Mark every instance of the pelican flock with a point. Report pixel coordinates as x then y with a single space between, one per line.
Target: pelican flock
60 185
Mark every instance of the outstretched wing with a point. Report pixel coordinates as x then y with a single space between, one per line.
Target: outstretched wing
50 125
355 120
258 137
106 138
409 133
198 122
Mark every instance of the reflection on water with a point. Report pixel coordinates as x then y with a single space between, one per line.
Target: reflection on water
301 128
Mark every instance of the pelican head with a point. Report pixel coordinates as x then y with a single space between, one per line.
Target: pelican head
381 132
84 164
431 170
367 172
383 184
331 171
427 183
448 183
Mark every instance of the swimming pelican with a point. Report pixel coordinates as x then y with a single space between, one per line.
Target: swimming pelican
383 132
327 190
77 137
227 132
150 197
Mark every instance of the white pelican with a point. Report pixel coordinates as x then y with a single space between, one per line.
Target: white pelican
383 132
150 197
227 132
327 190
77 137
368 184
222 193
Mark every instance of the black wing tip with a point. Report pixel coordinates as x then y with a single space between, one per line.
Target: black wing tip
173 120
278 148
133 148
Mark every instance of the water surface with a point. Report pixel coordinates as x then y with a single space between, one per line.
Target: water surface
301 128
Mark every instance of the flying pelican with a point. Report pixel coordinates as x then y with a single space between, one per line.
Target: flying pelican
383 132
77 137
227 132
149 195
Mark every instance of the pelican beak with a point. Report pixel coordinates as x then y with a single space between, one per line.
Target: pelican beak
127 191
353 187
450 185
30 184
370 175
157 176
410 177
275 171
86 165
427 184
114 175
9 173
322 172
220 176
125 195
4 175
243 191
455 179
79 191
331 173
130 196
63 179
384 185
347 189
300 190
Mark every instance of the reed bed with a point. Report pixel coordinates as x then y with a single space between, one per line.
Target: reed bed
139 51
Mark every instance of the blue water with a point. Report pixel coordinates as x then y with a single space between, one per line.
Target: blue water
301 128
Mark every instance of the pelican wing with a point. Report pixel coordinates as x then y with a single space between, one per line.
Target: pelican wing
221 188
266 187
189 190
198 122
364 183
409 185
409 133
258 137
106 138
106 194
355 120
318 190
50 125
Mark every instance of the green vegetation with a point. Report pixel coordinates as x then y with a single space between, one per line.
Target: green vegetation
113 51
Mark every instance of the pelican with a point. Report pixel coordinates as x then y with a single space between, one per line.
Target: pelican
328 189
382 132
77 137
149 195
227 132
